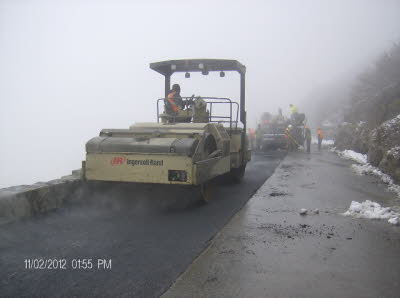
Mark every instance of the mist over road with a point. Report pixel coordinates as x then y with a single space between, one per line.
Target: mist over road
70 68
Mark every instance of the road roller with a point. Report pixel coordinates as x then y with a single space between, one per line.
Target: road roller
204 138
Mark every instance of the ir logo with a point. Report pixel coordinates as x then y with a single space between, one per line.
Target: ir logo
117 160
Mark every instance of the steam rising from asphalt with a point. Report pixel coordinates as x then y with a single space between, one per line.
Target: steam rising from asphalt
69 69
135 199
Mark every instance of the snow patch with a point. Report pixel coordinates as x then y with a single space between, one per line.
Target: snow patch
364 168
394 221
367 169
395 152
303 211
354 156
390 123
372 210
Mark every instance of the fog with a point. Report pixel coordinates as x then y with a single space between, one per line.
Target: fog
70 68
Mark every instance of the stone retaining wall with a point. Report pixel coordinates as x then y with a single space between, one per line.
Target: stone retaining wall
28 200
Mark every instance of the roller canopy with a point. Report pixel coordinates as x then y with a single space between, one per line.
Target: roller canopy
167 68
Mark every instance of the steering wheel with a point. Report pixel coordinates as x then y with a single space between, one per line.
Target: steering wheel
190 101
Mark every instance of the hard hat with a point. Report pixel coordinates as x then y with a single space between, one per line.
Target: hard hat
290 126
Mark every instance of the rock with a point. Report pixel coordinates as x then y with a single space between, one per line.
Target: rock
384 149
303 211
394 221
381 144
352 137
344 136
28 200
390 163
375 153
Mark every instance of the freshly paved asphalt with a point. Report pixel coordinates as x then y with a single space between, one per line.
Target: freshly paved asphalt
151 234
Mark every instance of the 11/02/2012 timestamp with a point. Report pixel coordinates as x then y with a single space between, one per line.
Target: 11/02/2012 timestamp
64 264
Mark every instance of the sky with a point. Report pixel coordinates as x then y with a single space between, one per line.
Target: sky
70 68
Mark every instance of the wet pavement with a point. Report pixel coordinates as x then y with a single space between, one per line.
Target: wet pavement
151 235
269 250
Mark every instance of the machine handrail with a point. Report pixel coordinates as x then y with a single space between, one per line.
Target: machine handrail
209 101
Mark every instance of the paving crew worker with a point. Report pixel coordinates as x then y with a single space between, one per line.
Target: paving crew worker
280 115
293 109
252 137
259 135
294 114
307 135
174 99
320 135
288 132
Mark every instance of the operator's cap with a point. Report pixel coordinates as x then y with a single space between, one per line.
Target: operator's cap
176 87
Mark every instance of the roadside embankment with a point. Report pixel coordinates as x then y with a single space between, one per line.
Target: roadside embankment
381 144
372 115
27 200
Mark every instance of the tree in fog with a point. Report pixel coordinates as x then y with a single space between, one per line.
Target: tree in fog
375 96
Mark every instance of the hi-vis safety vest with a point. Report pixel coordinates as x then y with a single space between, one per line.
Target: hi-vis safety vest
252 133
320 133
171 100
294 109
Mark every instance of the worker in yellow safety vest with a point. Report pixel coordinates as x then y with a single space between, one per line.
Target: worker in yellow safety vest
291 146
293 109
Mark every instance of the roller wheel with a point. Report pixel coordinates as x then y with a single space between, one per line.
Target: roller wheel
237 174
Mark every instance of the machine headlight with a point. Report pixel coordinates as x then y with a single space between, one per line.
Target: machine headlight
177 175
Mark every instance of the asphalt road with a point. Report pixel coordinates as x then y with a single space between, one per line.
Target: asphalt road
269 250
151 234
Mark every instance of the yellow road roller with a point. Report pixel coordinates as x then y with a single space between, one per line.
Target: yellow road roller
202 139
